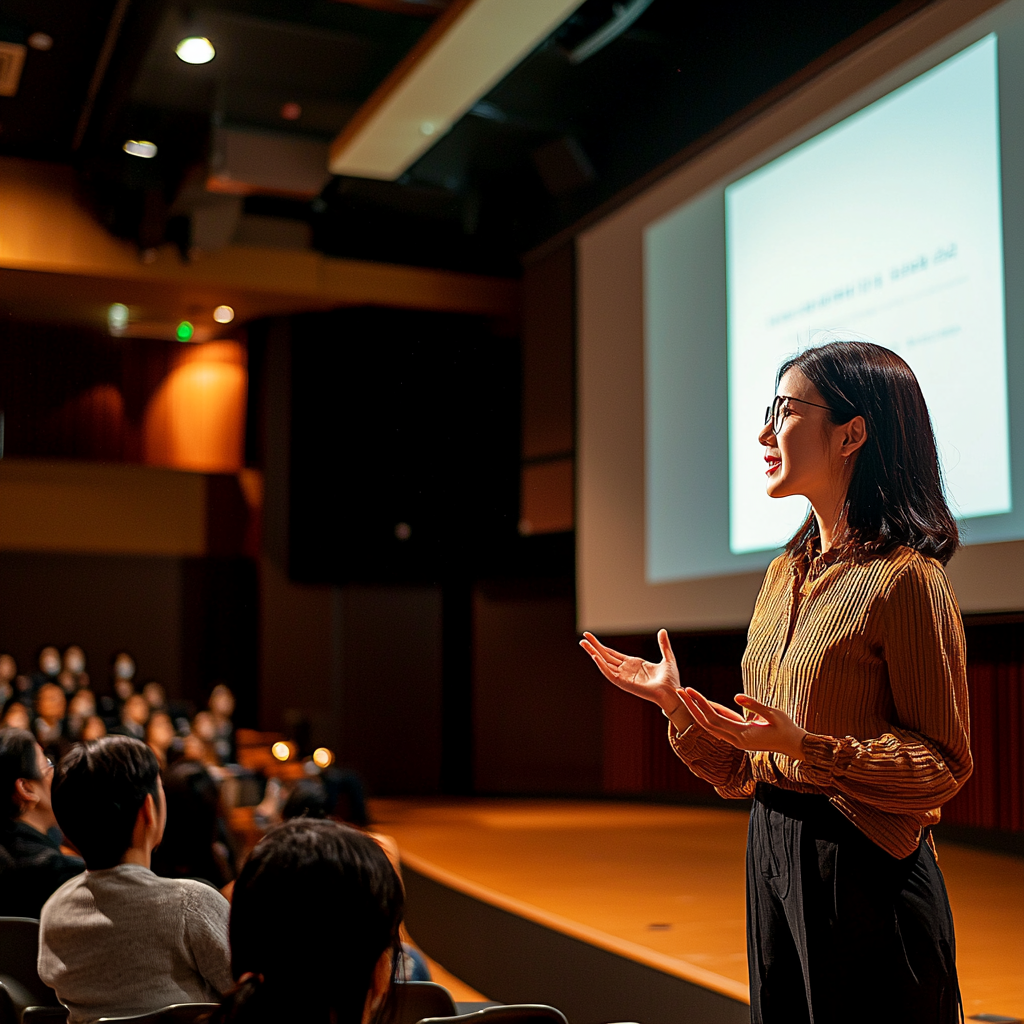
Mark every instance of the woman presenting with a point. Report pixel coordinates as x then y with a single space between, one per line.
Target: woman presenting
854 725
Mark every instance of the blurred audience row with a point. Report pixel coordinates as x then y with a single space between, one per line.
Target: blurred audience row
313 930
58 705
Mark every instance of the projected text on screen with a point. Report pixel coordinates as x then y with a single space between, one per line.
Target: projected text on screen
887 224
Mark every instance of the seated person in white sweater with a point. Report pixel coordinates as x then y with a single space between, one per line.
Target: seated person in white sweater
117 940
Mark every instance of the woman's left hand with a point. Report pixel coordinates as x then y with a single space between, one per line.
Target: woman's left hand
769 729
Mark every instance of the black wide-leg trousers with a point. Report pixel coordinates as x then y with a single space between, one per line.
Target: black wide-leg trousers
837 929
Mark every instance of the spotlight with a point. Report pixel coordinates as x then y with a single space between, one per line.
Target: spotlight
428 128
322 757
185 331
223 314
117 317
139 147
40 41
195 50
291 111
281 750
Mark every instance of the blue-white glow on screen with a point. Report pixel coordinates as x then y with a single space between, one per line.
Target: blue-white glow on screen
887 224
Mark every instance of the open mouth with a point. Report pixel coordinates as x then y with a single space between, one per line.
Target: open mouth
773 464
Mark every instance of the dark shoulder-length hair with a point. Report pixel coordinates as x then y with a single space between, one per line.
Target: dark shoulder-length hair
895 497
314 908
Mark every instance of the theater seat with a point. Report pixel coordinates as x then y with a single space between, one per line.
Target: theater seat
20 985
176 1013
419 1000
513 1013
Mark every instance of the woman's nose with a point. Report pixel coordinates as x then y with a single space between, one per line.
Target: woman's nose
767 435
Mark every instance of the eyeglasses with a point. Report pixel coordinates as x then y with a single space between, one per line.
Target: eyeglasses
777 412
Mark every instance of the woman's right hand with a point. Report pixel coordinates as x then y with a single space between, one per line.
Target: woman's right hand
657 683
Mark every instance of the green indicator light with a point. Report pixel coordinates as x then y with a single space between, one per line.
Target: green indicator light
185 331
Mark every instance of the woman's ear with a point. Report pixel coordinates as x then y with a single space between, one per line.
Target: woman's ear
855 434
25 793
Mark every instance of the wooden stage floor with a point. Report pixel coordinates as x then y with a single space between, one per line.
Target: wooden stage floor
665 884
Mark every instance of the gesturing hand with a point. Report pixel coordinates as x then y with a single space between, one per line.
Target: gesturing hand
769 728
658 683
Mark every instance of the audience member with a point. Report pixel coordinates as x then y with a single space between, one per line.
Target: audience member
194 843
74 660
8 667
119 940
34 866
94 729
314 928
81 708
122 672
68 681
8 670
156 695
49 667
51 706
222 709
16 716
134 715
161 737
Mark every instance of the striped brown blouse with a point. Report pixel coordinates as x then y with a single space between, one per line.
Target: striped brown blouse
869 659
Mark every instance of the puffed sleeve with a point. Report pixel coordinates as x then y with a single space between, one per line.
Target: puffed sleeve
925 757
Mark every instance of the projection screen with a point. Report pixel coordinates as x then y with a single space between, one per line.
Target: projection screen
884 199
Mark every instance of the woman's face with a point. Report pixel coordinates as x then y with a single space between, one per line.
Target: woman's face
94 729
136 709
160 731
222 701
82 704
16 716
800 458
51 702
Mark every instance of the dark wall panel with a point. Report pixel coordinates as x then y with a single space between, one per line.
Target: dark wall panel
188 623
391 686
105 603
537 699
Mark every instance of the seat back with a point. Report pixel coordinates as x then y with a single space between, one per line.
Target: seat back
19 949
176 1013
513 1013
417 1000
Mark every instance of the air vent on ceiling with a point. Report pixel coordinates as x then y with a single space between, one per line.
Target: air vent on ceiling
12 60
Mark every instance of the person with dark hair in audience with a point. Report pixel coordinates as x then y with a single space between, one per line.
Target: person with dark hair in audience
49 668
16 716
81 708
119 940
222 709
314 928
93 729
134 715
317 798
193 845
35 865
8 671
51 707
161 738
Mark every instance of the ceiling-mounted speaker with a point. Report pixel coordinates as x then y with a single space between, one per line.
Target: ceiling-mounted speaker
404 447
245 163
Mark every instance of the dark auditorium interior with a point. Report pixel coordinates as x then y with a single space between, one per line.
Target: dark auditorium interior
292 381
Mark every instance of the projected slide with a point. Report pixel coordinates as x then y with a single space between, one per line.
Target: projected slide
887 224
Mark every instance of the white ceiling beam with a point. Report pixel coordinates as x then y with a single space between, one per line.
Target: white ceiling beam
466 52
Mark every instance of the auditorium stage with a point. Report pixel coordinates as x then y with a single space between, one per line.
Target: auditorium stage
617 911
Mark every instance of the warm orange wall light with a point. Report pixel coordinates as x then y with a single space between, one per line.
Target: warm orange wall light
196 419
